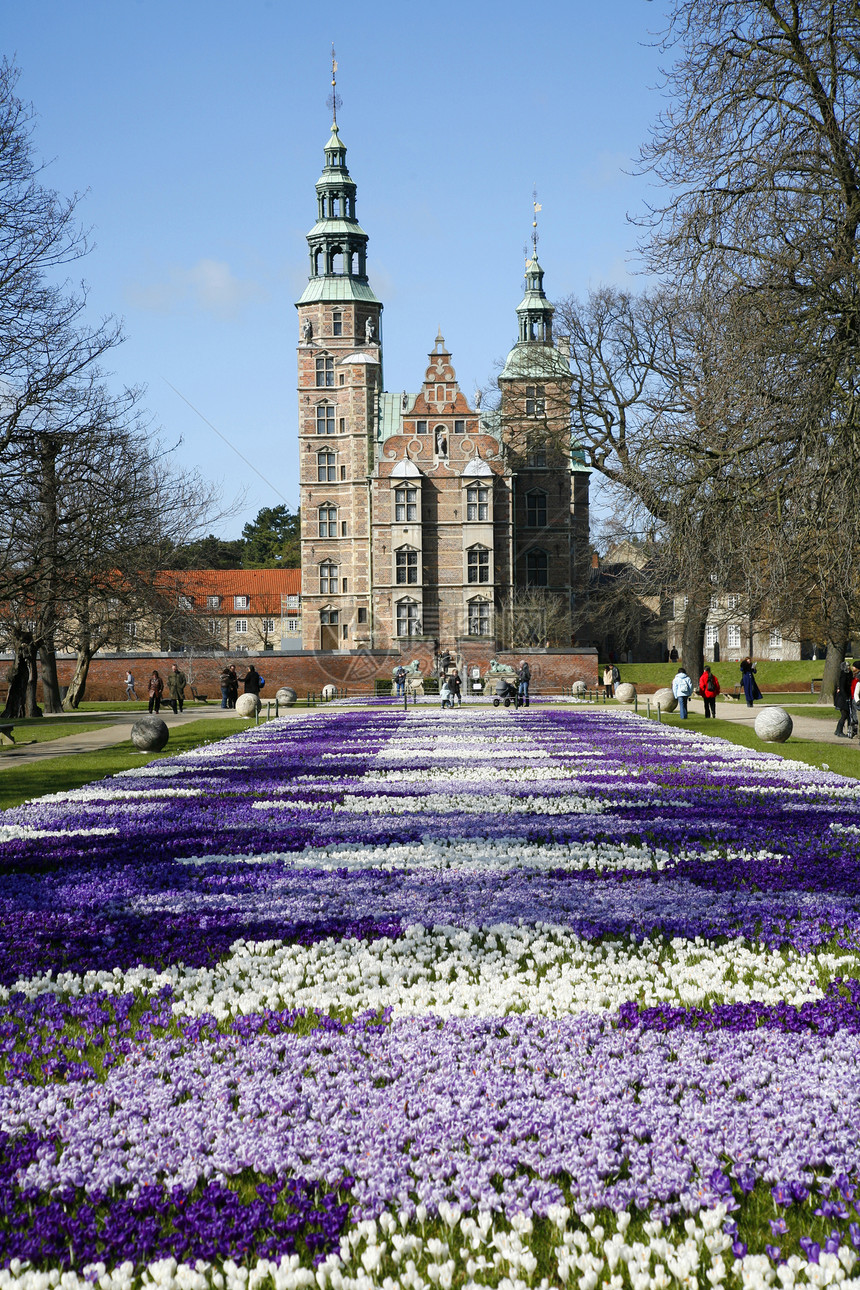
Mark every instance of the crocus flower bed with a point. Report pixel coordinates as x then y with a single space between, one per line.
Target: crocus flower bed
434 999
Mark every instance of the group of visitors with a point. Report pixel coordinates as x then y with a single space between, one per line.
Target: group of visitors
611 678
709 687
846 698
176 683
229 681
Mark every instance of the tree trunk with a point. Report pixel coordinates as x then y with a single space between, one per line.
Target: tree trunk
19 675
31 706
50 681
837 642
78 683
693 641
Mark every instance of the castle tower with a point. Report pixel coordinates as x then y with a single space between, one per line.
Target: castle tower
549 488
340 377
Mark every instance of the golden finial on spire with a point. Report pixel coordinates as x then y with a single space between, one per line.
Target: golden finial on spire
334 99
537 207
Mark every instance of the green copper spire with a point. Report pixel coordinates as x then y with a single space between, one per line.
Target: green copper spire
337 242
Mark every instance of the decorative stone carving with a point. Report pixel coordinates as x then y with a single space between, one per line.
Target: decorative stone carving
773 725
247 705
625 692
286 696
329 691
666 699
150 734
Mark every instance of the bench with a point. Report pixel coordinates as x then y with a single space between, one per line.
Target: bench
197 696
6 736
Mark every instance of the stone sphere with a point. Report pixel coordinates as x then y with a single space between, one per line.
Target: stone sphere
247 705
625 692
578 687
773 725
286 696
329 691
666 699
150 734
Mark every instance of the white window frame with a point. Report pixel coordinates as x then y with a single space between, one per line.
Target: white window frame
733 636
241 602
240 627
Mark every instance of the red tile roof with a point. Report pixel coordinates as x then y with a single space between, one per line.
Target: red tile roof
264 587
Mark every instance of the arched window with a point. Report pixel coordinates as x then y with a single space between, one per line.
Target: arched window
328 578
325 418
537 569
328 520
405 505
336 260
326 467
325 370
479 617
536 510
406 565
408 621
477 502
317 259
478 566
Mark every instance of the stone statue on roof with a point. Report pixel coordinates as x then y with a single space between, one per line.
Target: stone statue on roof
369 332
307 331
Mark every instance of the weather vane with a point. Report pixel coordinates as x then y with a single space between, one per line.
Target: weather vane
334 100
537 207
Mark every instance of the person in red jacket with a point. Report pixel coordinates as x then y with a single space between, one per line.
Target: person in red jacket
710 688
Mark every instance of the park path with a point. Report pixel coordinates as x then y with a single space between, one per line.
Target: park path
819 728
117 728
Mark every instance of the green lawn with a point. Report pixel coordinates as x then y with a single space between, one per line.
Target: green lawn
843 759
18 783
42 729
767 673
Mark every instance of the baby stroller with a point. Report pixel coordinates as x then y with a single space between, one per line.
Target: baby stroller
506 693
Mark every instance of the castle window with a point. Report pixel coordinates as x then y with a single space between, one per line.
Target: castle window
328 578
477 502
479 617
421 427
536 510
537 570
325 418
326 467
337 323
536 454
343 528
459 427
337 260
535 401
405 505
406 562
325 370
408 622
335 207
330 617
478 566
328 521
343 425
362 615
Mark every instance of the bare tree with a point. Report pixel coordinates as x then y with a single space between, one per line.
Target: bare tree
759 154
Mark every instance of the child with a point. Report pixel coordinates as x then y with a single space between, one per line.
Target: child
445 695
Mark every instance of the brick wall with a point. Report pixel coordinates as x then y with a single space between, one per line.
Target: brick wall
307 671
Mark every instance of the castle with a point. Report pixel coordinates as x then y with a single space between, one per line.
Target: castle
425 518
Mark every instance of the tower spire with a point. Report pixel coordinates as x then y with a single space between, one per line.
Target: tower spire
334 101
536 206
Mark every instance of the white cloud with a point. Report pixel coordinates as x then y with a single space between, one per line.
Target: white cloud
209 286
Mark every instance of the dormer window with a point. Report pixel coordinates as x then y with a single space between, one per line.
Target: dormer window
241 602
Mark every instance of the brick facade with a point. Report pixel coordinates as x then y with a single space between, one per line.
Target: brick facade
425 518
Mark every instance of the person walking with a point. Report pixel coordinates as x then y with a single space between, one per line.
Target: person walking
608 686
524 676
399 680
234 686
842 701
748 682
130 692
682 688
251 681
156 689
710 688
454 687
855 697
176 683
224 680
445 694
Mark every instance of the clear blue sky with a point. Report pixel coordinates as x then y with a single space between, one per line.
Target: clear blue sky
194 130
